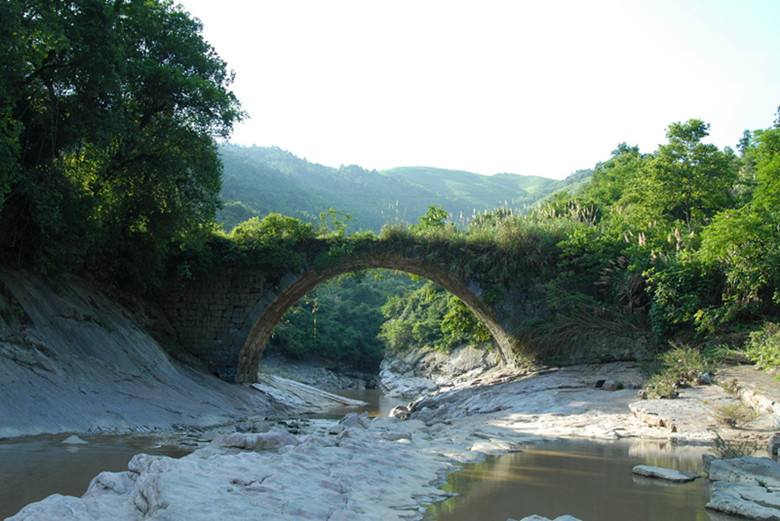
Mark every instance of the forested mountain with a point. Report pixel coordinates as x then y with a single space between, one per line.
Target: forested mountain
259 180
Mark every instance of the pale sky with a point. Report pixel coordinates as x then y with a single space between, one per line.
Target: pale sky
543 87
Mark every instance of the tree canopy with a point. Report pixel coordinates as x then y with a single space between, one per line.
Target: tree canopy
109 115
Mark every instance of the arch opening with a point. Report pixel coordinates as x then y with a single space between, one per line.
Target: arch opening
296 287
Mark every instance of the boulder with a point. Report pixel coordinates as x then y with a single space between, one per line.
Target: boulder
73 440
273 439
401 412
673 475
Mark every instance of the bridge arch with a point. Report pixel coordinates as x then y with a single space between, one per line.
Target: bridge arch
294 286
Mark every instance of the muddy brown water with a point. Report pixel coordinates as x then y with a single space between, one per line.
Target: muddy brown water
34 468
591 481
379 404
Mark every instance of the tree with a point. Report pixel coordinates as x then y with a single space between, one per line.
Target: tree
686 180
745 243
114 109
435 218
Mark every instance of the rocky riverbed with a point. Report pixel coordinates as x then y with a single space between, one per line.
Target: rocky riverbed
380 469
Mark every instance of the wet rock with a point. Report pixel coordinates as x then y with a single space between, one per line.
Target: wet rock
773 445
611 385
252 426
747 470
673 475
706 460
354 419
110 482
705 378
73 440
401 412
748 501
256 441
748 487
396 436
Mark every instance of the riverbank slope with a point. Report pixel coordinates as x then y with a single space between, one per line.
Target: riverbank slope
73 360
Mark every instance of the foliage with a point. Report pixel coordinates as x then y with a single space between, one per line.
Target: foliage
430 317
682 287
735 414
679 367
745 242
339 321
763 346
275 238
110 110
433 220
686 180
733 448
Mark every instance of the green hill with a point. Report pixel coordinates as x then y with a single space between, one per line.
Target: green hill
259 180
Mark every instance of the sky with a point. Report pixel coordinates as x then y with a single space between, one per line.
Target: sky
529 87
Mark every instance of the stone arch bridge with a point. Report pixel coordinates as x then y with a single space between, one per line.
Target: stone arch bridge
226 315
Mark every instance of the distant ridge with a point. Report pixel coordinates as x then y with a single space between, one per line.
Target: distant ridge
259 180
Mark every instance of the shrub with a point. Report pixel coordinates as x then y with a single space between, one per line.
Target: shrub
735 448
763 346
679 367
735 415
661 385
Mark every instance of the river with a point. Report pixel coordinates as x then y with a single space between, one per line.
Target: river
33 468
591 480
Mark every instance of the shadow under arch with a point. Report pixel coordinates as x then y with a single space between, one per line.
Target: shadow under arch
293 288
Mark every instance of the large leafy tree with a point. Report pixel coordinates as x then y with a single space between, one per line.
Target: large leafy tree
686 181
745 243
110 111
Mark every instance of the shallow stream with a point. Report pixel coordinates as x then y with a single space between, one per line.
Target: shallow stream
589 480
34 468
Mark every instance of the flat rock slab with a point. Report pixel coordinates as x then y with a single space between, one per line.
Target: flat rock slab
748 487
759 389
747 470
666 474
693 411
749 501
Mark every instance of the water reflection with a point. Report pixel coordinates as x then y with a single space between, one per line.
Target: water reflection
34 468
378 403
592 481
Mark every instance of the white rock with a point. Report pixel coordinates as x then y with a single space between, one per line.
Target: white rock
650 471
73 440
256 440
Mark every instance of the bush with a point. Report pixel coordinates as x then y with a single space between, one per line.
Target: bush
763 346
735 415
679 367
661 385
727 449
